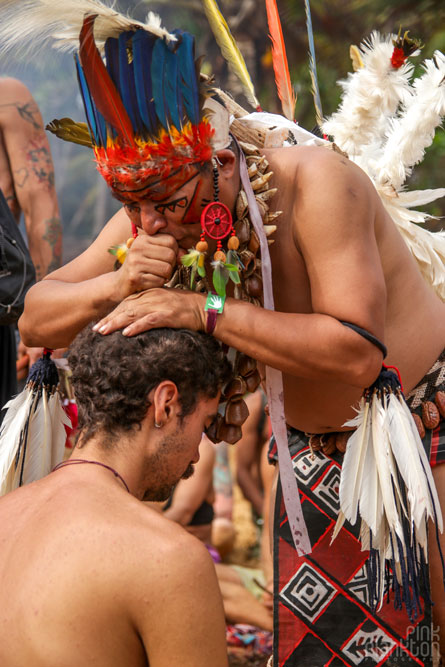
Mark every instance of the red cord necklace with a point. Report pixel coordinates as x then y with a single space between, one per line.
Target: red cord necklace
97 463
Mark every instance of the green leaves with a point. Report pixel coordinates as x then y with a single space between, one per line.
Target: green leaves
220 278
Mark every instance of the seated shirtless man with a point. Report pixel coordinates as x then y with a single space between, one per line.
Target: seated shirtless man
89 574
337 257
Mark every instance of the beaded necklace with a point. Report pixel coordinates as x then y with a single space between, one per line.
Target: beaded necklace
250 289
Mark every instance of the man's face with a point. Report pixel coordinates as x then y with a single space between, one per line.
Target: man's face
169 206
178 450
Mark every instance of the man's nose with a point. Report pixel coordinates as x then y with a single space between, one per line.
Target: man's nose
151 220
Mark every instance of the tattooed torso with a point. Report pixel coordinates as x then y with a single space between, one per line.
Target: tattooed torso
27 174
6 181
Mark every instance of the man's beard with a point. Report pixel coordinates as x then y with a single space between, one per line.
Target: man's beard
189 471
164 491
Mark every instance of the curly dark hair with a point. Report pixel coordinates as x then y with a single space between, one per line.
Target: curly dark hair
113 375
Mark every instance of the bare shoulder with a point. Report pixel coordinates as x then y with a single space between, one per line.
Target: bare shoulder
312 164
328 185
177 588
13 89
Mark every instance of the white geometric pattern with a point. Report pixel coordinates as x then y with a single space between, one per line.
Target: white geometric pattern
307 592
371 645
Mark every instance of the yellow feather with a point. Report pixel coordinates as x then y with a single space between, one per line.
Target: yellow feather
69 130
229 48
356 58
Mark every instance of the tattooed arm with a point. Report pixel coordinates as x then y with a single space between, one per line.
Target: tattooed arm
29 185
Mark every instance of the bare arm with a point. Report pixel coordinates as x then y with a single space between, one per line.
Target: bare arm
190 493
32 171
87 288
247 454
334 232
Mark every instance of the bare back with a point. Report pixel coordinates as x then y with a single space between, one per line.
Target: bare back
89 575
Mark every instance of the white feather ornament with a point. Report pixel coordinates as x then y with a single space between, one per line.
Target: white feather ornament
353 465
33 436
11 434
384 123
389 479
60 21
369 95
413 130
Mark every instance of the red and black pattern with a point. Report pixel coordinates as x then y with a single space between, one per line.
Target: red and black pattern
322 616
425 390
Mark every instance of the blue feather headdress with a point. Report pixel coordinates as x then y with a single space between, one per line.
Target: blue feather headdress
144 104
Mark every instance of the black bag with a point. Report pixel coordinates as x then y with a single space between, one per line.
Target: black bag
17 272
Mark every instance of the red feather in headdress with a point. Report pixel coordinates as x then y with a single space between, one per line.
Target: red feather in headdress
279 60
102 89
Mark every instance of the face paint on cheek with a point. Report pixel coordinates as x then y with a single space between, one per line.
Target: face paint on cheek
193 212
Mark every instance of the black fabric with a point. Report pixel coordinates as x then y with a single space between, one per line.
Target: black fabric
203 515
369 336
17 272
8 377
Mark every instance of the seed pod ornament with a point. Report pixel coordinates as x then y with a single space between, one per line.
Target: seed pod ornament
216 224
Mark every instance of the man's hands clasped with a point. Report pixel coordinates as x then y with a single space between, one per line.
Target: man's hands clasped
150 263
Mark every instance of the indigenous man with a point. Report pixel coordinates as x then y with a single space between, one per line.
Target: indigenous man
89 574
337 258
27 182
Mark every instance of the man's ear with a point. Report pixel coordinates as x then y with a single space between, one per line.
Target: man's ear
226 162
165 402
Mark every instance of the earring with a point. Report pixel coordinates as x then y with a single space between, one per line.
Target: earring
158 425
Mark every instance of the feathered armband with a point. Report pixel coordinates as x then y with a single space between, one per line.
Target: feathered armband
32 436
386 479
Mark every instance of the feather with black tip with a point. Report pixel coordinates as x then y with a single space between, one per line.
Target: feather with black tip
34 22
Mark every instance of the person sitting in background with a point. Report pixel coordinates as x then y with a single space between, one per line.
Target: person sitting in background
191 505
248 451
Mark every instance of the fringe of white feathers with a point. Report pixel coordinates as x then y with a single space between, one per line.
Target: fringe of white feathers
385 122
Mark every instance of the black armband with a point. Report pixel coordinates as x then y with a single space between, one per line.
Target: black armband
369 336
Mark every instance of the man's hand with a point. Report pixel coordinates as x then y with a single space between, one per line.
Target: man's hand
149 263
155 308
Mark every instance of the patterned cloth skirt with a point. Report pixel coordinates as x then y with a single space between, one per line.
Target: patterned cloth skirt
321 611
